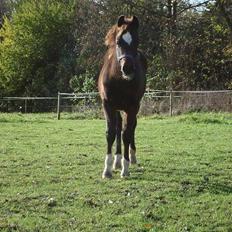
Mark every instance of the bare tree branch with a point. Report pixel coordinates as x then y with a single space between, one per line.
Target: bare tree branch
192 6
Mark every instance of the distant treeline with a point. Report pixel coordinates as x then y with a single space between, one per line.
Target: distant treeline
48 46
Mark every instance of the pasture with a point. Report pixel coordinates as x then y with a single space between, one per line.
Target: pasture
50 175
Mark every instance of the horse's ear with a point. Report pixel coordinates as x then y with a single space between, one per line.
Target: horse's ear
121 20
135 22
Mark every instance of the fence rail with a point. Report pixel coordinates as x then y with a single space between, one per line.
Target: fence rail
156 100
171 97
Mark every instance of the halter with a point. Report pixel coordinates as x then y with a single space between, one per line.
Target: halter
128 55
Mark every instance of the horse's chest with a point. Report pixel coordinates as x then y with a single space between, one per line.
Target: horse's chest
122 96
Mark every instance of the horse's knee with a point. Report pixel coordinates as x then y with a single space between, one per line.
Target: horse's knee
127 136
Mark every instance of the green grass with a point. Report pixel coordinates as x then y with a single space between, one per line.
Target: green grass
50 175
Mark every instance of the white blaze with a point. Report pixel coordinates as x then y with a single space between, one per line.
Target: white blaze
127 38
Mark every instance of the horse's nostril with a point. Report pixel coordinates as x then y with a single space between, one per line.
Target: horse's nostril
127 69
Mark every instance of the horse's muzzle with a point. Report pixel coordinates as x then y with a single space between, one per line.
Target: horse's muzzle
127 69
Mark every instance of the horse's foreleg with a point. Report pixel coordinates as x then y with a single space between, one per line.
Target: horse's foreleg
133 159
110 115
118 153
128 132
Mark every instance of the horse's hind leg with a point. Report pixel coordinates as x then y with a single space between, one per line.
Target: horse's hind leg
133 159
118 153
128 132
110 115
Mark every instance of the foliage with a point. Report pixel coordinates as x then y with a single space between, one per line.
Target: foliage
83 83
36 47
50 175
60 47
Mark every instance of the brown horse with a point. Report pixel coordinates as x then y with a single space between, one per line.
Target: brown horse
121 86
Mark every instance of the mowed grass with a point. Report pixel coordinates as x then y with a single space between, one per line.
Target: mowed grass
50 175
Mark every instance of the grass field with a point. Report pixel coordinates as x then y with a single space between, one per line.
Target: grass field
50 175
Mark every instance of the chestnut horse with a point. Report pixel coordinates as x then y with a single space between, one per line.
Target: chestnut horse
121 86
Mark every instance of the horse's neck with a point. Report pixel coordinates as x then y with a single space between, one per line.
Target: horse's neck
111 54
112 63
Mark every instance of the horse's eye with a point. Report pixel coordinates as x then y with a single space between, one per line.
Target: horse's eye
119 42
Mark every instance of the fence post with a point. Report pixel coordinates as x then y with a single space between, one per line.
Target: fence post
58 106
25 106
170 102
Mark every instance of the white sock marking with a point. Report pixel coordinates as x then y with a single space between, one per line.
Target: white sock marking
107 173
117 161
133 159
127 38
125 168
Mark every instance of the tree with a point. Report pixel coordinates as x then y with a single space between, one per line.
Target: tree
36 55
50 45
3 10
192 49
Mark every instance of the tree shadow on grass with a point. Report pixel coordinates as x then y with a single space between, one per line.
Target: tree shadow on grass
4 120
220 188
192 180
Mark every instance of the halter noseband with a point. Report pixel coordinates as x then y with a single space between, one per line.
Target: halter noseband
121 56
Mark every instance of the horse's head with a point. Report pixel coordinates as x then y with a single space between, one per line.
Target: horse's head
126 45
123 37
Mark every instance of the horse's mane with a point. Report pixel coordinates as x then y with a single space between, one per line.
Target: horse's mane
111 36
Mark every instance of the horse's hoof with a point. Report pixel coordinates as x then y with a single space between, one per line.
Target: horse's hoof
133 159
125 175
117 162
117 166
106 175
